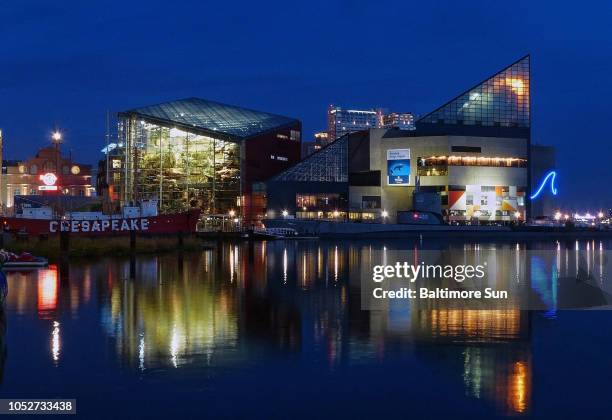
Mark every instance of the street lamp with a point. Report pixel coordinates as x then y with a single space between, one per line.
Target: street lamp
232 213
57 139
285 213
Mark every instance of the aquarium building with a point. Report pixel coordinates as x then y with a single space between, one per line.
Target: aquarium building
468 160
196 153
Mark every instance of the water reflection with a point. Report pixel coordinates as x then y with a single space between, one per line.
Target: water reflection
168 318
300 301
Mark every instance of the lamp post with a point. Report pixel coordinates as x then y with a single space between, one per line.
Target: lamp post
57 139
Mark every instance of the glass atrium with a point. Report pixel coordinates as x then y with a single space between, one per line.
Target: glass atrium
185 153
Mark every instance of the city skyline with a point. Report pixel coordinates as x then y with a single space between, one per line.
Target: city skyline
77 78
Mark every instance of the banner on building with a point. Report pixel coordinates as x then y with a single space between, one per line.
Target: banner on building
398 166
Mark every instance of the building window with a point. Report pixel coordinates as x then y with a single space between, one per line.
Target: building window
437 170
439 164
321 201
295 135
116 163
33 169
49 167
370 202
466 149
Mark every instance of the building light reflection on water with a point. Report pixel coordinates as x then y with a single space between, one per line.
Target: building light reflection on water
141 353
55 342
174 347
222 308
336 264
47 291
285 265
520 391
165 323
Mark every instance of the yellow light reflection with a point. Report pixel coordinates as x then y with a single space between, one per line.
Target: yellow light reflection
519 387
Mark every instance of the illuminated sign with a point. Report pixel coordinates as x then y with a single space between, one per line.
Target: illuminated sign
550 175
108 225
48 178
398 167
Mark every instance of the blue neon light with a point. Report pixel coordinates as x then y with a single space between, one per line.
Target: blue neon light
552 175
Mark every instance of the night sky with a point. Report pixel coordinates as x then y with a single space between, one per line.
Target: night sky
66 63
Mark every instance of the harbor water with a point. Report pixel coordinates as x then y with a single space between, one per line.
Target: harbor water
276 330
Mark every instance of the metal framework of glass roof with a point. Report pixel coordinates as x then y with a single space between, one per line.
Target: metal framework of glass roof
212 117
329 164
503 100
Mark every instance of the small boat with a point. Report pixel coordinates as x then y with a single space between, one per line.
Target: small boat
281 232
39 262
25 260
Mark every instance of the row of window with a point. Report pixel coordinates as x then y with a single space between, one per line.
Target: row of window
483 213
495 161
330 202
293 135
49 167
484 200
35 191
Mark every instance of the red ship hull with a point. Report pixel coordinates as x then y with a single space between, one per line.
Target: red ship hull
164 224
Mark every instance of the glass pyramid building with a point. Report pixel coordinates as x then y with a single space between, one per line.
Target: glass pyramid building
502 100
329 164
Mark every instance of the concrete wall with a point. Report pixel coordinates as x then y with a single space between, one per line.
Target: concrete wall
399 198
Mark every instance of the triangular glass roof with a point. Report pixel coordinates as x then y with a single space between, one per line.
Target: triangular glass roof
214 117
330 164
503 100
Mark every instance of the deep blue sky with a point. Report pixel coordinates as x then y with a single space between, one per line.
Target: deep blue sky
67 62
